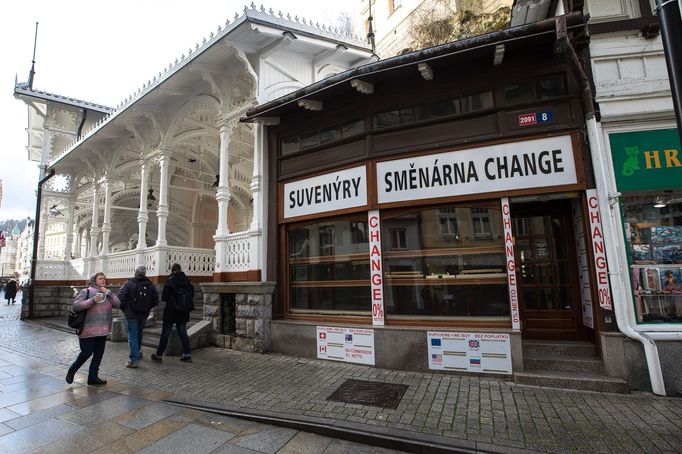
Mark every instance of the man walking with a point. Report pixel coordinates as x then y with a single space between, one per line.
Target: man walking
178 293
138 296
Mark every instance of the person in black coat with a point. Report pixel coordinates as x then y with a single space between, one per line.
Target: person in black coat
138 297
11 291
178 293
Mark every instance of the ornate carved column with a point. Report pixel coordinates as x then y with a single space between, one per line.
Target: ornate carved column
68 246
43 229
142 216
162 210
256 178
106 223
223 197
79 239
94 224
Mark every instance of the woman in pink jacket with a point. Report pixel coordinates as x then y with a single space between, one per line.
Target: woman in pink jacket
98 301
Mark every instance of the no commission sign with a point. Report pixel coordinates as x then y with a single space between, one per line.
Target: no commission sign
509 166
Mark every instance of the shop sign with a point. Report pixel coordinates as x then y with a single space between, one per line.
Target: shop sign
519 165
470 352
375 268
597 238
583 269
511 265
349 345
329 192
647 159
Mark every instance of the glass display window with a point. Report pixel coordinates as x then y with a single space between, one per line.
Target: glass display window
653 233
449 262
328 267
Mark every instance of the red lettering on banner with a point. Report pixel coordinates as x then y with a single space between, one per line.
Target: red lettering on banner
376 294
373 221
511 265
375 251
601 277
596 233
592 202
600 262
505 209
508 238
376 279
373 235
376 264
512 279
599 247
595 216
510 250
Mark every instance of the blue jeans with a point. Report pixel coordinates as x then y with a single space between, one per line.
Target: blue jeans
90 346
166 331
135 327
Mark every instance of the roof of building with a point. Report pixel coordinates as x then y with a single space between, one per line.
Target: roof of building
22 89
515 38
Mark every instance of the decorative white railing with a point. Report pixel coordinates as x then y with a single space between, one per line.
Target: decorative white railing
121 264
242 249
194 262
238 252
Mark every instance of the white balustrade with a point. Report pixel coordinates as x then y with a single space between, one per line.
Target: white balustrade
194 262
240 252
51 270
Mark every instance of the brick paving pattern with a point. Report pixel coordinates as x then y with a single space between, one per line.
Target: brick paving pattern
487 411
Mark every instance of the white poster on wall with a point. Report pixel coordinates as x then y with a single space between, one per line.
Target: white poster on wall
597 239
350 345
329 192
503 167
470 352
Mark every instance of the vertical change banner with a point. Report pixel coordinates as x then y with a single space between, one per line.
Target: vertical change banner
376 268
511 265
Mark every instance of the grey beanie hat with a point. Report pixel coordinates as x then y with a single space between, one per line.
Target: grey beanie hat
93 278
140 270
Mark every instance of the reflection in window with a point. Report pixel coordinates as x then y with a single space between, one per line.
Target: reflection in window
328 266
442 267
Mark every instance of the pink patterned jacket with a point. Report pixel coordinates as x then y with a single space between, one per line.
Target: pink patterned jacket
98 316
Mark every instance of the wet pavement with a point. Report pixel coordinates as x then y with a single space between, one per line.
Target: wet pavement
39 412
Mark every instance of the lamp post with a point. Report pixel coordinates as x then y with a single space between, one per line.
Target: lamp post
670 19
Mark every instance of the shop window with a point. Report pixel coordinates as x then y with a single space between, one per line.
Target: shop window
653 230
398 238
445 108
323 136
539 89
328 266
393 5
476 102
436 276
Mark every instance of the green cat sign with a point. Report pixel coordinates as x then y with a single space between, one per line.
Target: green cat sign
647 159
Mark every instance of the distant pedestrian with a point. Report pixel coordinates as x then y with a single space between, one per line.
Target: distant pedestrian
138 296
11 291
178 293
98 302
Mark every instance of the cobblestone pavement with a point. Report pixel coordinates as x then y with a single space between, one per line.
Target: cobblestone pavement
492 415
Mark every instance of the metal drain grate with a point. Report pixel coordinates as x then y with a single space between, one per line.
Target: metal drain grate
373 393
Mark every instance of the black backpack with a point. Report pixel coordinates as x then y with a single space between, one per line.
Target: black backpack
142 298
182 300
77 319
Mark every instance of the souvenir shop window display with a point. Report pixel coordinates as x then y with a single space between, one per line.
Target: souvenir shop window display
653 228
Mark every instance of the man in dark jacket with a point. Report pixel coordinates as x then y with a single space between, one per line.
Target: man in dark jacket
138 296
178 293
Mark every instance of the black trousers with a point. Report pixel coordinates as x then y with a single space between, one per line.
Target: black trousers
90 346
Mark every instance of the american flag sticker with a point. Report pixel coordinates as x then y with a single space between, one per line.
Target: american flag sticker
437 358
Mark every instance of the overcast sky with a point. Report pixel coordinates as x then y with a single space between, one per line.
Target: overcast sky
101 52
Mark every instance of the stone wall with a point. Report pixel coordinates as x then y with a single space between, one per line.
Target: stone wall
253 313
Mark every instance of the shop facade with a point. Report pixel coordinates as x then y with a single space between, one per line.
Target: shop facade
435 210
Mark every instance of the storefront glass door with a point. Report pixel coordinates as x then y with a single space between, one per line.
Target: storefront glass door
546 270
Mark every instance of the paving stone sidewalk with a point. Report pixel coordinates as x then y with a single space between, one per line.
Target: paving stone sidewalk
487 415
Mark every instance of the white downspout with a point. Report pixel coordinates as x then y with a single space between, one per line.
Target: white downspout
618 285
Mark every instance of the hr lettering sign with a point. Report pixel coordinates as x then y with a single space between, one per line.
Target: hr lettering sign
503 167
375 268
597 238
